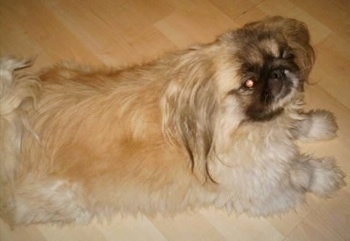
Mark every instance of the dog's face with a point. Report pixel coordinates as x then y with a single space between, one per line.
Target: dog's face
273 59
252 73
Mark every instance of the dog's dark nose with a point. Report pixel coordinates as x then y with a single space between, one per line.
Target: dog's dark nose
275 81
276 74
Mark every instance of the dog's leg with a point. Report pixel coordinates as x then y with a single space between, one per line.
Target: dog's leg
318 125
17 87
320 176
47 200
18 91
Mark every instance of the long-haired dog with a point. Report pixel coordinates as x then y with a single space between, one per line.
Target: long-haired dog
215 124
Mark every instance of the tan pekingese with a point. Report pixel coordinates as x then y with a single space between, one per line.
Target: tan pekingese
215 124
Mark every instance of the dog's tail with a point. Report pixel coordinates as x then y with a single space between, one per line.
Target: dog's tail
18 91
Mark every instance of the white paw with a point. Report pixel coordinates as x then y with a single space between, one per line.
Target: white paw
319 125
326 178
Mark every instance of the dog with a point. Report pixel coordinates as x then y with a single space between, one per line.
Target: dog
212 125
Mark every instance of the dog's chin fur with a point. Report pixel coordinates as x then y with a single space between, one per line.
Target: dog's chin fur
171 135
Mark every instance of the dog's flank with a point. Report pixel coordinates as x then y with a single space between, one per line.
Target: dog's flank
177 133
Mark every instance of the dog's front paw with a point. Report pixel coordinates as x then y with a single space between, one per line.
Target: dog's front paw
326 177
318 125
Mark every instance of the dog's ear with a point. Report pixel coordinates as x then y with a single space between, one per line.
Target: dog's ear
189 108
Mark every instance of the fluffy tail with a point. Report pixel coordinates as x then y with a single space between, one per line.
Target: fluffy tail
18 90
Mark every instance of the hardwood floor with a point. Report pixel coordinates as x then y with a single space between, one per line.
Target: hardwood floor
120 32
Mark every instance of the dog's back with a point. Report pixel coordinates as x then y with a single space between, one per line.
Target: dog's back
79 142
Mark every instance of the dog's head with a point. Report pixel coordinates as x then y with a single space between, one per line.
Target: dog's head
273 60
249 74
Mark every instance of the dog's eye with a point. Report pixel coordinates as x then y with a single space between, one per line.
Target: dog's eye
288 55
249 83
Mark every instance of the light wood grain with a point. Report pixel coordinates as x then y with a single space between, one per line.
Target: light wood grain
120 32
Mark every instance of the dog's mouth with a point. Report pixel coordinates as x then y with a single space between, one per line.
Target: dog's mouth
280 85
